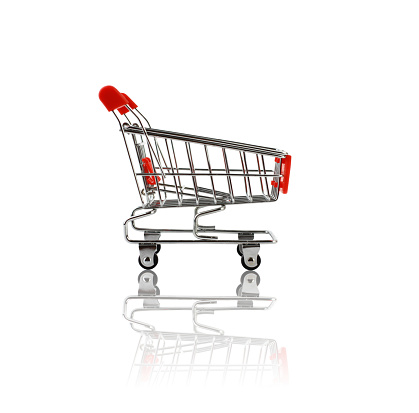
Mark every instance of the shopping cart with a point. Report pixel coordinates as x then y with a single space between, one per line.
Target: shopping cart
179 170
173 359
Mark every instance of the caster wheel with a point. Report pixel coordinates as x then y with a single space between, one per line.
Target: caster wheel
149 264
244 275
251 268
238 290
155 278
239 251
157 291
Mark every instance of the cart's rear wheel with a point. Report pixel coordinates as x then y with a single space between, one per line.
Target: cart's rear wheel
158 248
245 265
239 250
148 263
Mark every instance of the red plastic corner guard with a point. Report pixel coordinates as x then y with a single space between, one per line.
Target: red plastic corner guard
285 172
111 98
148 169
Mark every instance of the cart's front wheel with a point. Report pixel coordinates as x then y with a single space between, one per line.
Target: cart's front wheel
148 263
250 264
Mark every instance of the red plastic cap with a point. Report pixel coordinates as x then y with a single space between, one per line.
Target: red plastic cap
111 98
148 169
274 184
285 172
131 103
277 160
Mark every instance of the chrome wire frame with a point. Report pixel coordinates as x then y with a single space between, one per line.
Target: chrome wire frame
173 167
178 179
198 305
167 359
199 232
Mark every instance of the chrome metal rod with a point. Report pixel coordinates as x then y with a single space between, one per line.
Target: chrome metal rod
189 153
230 186
209 141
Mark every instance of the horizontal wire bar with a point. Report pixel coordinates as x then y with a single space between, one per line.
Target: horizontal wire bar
273 175
207 141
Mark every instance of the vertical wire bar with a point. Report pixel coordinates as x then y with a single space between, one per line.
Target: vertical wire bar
156 377
146 135
129 156
264 362
189 152
258 365
173 359
261 179
154 360
210 171
247 172
210 359
245 182
230 186
192 360
245 361
148 123
134 363
177 168
173 172
154 169
227 360
143 361
264 171
178 341
158 156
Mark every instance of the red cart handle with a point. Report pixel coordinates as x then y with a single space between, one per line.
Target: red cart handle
112 99
285 172
131 103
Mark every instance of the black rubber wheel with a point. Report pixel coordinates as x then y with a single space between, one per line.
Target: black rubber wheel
251 268
152 265
257 275
239 250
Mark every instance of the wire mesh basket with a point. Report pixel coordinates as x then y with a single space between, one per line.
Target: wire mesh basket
167 359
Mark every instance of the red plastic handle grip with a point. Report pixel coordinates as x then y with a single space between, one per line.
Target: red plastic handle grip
285 172
111 98
122 110
148 169
131 103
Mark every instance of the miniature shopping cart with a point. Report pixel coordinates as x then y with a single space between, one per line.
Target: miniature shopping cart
172 359
179 170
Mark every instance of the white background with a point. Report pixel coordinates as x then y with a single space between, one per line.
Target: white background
334 83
